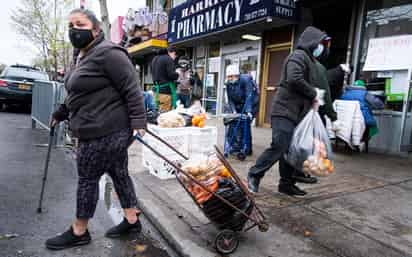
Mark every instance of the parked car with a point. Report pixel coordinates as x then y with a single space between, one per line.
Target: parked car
16 84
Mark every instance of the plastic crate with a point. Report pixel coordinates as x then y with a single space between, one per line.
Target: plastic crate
178 138
190 141
202 140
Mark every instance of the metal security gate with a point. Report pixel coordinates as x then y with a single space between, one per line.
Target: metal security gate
46 98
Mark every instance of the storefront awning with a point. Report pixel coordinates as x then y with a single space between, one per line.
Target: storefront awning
200 18
147 47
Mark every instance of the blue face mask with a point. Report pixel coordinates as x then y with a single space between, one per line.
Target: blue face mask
232 81
318 51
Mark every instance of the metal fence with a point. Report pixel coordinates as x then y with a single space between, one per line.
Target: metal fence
46 98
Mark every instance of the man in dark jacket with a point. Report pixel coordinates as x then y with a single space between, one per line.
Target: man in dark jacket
164 76
293 100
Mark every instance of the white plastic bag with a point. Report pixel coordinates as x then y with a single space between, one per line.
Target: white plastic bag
310 150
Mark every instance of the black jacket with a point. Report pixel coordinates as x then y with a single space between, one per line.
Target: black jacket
164 70
103 95
296 92
335 78
323 83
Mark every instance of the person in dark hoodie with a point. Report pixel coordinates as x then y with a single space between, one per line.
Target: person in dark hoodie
105 109
325 110
164 77
294 98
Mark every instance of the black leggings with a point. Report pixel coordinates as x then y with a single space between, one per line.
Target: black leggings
96 157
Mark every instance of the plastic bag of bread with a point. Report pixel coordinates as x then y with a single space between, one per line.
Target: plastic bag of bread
310 150
171 119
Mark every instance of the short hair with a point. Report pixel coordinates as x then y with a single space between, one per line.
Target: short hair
90 16
171 49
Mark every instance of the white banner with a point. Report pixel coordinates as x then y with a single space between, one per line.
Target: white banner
389 53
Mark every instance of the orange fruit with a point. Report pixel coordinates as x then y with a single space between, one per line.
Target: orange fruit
225 173
201 124
195 120
331 169
327 163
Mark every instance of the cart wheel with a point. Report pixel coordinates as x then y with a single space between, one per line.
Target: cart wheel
241 156
226 242
263 227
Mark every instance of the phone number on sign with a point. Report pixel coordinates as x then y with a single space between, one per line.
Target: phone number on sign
256 14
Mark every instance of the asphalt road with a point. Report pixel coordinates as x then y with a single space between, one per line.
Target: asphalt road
22 230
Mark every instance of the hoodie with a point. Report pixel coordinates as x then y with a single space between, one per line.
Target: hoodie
296 91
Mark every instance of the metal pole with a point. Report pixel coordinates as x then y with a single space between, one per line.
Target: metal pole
358 37
405 148
350 39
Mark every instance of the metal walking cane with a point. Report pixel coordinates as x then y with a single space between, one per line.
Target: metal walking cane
46 168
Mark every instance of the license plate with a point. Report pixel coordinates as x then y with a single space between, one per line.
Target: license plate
24 87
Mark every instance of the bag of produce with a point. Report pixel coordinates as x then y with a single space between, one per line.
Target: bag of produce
171 119
310 150
207 170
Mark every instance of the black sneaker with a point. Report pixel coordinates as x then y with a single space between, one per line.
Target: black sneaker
124 228
305 178
68 239
253 184
291 190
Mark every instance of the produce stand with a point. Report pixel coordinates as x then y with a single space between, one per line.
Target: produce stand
389 61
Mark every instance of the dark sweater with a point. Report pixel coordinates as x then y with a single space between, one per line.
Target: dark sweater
103 96
164 71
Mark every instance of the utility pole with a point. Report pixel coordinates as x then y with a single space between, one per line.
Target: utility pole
105 18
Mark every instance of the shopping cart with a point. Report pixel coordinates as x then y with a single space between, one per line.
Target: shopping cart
238 135
243 212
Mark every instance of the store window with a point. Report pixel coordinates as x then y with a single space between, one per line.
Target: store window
385 18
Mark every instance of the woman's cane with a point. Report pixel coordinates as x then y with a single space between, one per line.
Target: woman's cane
46 168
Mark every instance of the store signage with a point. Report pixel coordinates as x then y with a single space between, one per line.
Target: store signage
199 17
389 53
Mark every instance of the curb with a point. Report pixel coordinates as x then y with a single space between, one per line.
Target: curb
167 225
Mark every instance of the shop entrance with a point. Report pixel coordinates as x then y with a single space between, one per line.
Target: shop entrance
336 24
248 64
275 56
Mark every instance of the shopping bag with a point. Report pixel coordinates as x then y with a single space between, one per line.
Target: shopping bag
310 150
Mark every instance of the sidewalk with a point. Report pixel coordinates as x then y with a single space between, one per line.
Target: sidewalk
23 231
365 209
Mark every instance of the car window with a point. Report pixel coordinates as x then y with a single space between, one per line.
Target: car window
25 73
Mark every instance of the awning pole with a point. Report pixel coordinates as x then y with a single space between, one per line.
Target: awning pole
358 37
408 146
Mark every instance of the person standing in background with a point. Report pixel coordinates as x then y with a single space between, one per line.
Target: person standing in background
185 82
367 101
164 77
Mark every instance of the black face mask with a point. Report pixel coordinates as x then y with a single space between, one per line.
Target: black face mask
323 58
80 38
